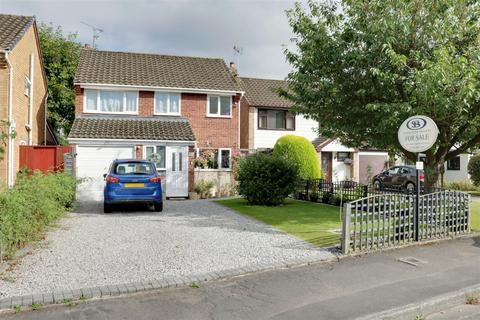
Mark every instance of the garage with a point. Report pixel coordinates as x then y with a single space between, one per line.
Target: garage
92 162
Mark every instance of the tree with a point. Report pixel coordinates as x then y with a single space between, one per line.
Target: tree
60 57
301 152
362 67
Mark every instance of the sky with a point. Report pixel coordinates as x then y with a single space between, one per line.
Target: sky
205 28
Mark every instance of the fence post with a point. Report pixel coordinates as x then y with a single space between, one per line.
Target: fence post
346 220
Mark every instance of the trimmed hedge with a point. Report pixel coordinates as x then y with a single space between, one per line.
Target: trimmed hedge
33 203
474 169
300 151
265 179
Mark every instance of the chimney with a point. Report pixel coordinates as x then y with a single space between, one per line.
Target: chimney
233 69
87 46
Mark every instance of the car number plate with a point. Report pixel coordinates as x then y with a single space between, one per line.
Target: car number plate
134 185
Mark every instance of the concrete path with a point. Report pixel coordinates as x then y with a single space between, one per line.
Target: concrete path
189 238
348 289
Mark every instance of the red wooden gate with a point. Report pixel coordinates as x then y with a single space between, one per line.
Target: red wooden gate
43 158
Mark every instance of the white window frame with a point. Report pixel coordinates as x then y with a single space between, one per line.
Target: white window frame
168 106
218 115
144 153
220 158
98 110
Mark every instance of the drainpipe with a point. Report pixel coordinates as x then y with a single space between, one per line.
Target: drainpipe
239 115
45 119
30 101
11 125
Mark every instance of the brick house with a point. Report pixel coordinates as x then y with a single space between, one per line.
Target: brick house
150 106
23 91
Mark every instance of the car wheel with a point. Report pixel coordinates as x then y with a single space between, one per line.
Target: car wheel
107 208
377 185
410 187
158 207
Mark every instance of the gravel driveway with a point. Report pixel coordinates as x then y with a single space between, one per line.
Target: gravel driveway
190 237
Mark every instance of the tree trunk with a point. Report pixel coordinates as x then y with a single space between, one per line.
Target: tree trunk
433 170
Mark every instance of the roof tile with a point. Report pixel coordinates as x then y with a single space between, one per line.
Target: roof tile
262 92
137 128
154 70
12 28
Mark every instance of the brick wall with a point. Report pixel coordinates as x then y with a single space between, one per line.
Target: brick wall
244 124
20 60
145 103
210 132
78 100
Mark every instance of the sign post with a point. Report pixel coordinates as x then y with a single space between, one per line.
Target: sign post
417 134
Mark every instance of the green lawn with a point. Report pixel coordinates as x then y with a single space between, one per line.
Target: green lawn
475 222
314 222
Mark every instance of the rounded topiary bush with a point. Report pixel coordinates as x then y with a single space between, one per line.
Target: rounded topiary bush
474 169
265 179
300 151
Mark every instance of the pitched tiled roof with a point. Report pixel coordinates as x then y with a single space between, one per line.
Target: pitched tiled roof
12 29
138 128
261 92
154 70
319 141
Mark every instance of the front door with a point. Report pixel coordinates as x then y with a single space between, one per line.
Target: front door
177 172
327 165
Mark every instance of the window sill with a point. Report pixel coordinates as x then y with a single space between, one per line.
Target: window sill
213 170
167 114
267 129
218 116
107 112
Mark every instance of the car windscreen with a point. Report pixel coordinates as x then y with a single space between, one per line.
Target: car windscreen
134 168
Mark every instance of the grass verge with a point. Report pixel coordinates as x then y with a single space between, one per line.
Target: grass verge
316 223
313 222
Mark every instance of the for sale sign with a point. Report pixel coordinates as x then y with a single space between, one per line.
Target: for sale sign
418 134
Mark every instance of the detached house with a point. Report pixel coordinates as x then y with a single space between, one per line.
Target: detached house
151 106
23 91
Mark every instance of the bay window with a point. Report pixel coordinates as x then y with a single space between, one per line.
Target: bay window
219 106
276 120
105 101
167 103
157 155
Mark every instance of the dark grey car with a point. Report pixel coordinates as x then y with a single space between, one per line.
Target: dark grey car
397 177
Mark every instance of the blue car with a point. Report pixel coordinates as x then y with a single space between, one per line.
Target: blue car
132 181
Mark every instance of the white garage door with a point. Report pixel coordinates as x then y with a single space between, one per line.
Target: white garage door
92 162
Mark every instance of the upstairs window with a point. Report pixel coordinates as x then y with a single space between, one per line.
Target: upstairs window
111 101
167 103
27 87
219 106
276 120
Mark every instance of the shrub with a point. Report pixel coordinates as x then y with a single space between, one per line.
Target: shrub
474 169
460 186
266 179
300 151
204 188
34 202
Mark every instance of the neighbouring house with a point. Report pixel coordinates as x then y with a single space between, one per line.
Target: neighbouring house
340 163
23 91
265 116
170 109
455 169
